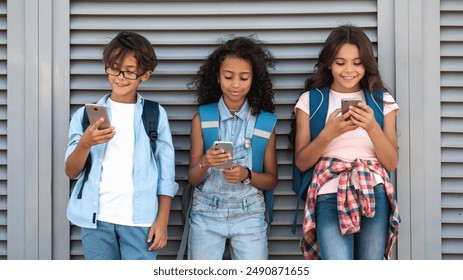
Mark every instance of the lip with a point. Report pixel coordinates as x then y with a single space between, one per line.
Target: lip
119 85
349 78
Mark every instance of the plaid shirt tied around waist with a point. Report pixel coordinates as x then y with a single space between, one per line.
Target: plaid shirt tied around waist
351 203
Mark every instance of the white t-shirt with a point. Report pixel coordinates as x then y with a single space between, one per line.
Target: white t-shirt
116 185
352 144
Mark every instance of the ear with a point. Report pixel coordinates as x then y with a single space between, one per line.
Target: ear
145 76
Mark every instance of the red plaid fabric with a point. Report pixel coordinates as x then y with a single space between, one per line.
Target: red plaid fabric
351 203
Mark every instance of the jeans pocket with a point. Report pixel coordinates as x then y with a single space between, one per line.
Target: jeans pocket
199 206
257 207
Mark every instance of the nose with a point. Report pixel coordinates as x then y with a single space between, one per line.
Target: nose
120 76
236 83
349 67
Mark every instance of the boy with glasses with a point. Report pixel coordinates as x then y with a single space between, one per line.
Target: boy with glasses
123 206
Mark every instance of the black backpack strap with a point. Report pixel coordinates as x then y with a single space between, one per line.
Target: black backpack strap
88 162
150 119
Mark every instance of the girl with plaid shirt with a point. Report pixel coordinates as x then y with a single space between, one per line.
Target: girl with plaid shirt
351 210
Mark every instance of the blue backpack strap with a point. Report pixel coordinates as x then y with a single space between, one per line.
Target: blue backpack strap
209 116
318 106
375 105
150 117
262 131
88 161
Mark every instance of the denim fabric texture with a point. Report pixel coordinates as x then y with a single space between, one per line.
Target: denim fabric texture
367 244
222 210
214 220
115 242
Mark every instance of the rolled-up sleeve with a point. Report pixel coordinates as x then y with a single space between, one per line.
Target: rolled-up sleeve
165 157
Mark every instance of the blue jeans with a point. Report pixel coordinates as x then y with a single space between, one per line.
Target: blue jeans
214 220
367 244
116 242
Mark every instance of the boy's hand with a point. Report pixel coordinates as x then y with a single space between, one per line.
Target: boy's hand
157 236
93 136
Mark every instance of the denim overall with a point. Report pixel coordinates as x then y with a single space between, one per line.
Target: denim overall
223 210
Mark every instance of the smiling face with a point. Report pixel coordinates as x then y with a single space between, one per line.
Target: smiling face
125 90
235 78
347 69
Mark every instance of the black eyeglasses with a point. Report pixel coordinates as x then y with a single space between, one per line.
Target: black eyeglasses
127 74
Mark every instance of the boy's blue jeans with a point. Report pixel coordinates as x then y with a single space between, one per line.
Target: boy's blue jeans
214 220
116 242
367 244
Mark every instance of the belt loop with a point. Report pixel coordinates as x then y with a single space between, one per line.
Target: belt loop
245 204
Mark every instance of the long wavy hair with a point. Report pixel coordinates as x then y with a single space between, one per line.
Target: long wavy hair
346 34
322 76
260 96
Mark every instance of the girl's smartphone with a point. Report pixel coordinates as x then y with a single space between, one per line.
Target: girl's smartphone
346 102
95 112
227 146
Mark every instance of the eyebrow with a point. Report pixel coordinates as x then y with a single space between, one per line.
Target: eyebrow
241 73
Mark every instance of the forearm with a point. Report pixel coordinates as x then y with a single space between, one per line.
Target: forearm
309 155
197 170
164 210
76 161
386 152
264 181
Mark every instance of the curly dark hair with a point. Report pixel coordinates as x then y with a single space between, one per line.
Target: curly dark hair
260 96
322 76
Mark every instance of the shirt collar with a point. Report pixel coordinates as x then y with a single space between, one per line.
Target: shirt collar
225 113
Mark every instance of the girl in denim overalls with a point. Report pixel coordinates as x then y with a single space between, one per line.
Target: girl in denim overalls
229 203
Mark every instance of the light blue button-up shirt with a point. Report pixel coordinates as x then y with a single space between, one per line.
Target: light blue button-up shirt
152 176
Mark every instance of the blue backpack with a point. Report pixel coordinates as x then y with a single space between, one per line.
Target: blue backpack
318 111
263 129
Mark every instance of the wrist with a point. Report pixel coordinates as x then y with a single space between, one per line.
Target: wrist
248 178
201 164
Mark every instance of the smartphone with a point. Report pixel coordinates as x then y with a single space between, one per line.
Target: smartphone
346 102
95 112
227 146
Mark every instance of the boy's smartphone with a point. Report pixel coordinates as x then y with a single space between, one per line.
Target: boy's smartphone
227 146
346 102
95 112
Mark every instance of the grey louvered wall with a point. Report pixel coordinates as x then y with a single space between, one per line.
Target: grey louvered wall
3 133
452 128
183 34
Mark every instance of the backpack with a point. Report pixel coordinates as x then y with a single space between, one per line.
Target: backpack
150 117
318 112
262 130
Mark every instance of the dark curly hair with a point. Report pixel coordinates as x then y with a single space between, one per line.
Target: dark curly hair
322 76
260 96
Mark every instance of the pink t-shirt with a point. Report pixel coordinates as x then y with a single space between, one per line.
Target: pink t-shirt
352 144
